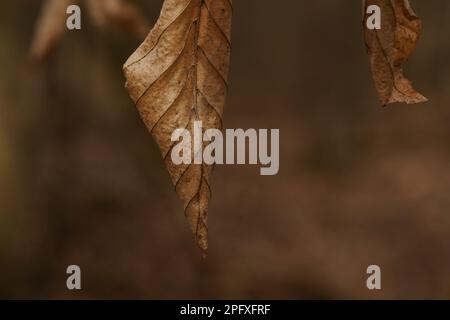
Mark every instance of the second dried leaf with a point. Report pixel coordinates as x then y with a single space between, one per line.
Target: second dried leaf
390 47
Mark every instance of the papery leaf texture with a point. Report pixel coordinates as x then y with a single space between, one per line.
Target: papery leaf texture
390 47
177 76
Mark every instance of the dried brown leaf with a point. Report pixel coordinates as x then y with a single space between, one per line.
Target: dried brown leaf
110 13
177 76
50 28
51 24
390 47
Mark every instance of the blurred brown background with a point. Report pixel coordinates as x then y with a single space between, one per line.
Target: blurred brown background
82 182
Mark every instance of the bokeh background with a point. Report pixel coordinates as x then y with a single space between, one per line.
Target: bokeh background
82 182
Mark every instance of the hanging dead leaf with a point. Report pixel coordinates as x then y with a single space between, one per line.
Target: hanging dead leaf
177 76
50 28
110 13
390 47
51 24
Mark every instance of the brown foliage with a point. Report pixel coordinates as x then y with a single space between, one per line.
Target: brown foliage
50 28
118 13
390 47
51 24
179 73
178 76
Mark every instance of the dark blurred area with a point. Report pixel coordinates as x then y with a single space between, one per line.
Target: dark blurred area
82 181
